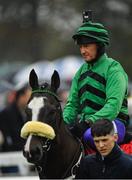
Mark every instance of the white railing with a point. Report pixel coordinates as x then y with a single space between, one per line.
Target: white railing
20 178
15 163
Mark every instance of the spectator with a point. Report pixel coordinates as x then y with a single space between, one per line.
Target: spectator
12 118
109 162
63 94
1 140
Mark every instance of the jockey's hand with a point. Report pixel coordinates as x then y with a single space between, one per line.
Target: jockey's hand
79 128
89 122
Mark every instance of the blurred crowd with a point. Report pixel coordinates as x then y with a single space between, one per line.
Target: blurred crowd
12 118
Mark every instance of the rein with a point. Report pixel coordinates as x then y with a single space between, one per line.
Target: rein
71 166
46 147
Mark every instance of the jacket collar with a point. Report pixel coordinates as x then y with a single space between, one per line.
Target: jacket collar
114 154
94 63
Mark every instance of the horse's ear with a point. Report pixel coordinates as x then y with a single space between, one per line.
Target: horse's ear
33 79
55 81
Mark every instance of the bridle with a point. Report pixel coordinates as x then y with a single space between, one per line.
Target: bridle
46 91
73 165
70 171
42 90
46 148
47 145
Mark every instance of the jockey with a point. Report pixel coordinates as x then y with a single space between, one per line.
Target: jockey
100 86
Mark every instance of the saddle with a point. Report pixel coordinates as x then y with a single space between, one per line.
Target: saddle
126 145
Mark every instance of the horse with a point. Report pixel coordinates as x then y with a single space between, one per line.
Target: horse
49 145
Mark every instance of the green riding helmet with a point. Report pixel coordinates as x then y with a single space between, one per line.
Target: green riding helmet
90 32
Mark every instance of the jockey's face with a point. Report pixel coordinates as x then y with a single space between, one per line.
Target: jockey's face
105 144
88 51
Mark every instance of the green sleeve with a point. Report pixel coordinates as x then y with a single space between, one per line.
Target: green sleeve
115 92
72 106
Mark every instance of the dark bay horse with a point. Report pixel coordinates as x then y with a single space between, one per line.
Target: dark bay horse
49 144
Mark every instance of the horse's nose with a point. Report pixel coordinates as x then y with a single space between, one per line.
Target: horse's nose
35 154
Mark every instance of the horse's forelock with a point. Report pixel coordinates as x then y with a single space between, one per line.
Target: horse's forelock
35 105
44 85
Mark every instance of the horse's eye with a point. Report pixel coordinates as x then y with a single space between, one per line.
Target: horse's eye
28 111
53 111
58 107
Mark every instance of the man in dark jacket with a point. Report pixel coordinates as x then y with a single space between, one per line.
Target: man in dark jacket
12 118
109 162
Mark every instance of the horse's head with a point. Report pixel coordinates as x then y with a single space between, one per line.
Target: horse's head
44 116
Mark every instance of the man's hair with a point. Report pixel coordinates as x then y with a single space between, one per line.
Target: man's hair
102 127
21 91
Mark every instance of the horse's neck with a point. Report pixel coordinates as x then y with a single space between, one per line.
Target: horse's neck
66 138
64 152
68 146
65 142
